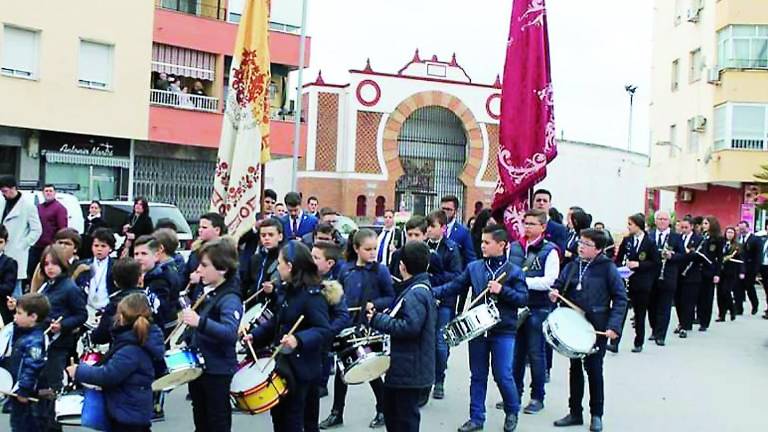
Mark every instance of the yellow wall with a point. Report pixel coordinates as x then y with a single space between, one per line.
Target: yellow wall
742 86
55 101
737 165
740 12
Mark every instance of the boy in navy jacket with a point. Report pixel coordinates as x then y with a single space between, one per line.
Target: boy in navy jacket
27 362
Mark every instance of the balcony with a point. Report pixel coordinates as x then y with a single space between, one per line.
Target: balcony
207 9
184 101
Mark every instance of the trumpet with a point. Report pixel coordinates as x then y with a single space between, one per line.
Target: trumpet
732 258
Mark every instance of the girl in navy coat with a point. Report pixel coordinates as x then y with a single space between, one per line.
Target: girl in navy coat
128 369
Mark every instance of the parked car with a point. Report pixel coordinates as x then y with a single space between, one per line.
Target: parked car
75 217
115 214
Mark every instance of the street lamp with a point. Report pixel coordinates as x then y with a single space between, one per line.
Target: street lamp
630 89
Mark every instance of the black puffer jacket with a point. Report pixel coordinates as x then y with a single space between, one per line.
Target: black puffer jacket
413 332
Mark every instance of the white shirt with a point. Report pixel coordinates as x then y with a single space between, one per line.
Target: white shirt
98 295
765 253
551 271
449 228
638 241
664 236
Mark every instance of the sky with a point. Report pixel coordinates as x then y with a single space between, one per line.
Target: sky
597 47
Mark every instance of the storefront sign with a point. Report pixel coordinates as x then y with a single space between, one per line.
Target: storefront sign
86 145
748 213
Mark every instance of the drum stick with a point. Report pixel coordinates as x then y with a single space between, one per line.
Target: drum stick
250 346
354 309
601 333
396 279
197 304
569 303
277 350
17 396
499 279
256 294
50 327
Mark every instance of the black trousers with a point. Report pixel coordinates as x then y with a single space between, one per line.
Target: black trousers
340 393
685 302
660 307
743 290
120 427
312 406
725 290
33 259
593 365
401 409
53 371
211 408
764 277
288 415
639 300
706 301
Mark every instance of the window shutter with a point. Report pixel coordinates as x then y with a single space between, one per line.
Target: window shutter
95 64
20 50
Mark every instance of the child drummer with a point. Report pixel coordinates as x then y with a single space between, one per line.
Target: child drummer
499 342
593 284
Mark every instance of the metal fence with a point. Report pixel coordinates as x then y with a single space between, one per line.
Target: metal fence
188 184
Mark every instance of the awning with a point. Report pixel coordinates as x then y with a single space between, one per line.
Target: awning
79 159
184 62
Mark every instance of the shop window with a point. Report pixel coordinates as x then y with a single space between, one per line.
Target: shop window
381 203
362 206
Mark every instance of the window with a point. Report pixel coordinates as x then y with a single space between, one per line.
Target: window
675 74
720 127
678 13
95 65
696 64
362 206
381 203
743 47
673 141
741 126
20 51
235 10
693 136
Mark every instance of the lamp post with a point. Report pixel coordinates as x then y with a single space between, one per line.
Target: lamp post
297 112
630 89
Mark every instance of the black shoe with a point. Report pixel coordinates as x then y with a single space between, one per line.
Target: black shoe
188 397
569 420
158 416
470 426
546 378
637 349
377 421
660 342
596 425
439 391
612 348
703 329
733 316
533 407
424 397
765 316
695 320
510 423
335 419
754 310
720 319
683 334
652 338
322 391
677 330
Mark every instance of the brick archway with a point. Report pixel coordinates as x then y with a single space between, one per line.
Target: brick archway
426 99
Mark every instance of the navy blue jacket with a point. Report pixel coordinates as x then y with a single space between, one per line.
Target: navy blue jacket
192 263
557 234
572 246
307 224
216 334
27 359
413 333
163 284
446 268
514 292
83 280
8 274
102 334
752 252
338 309
533 263
713 249
126 374
674 242
67 301
648 258
369 283
461 236
394 269
262 267
313 334
602 295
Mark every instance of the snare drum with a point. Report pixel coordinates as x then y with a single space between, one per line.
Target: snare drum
183 365
69 409
471 324
364 359
569 333
255 316
6 341
254 391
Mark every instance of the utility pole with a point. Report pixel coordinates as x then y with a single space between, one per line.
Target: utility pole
297 111
630 89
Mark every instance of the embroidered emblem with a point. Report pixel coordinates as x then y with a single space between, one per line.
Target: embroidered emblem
712 248
641 256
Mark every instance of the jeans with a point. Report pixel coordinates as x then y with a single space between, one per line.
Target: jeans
444 315
211 407
25 417
499 349
401 409
530 345
593 365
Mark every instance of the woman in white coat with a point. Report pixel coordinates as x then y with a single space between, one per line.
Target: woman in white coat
19 215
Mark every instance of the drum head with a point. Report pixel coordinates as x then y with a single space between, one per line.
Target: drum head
176 378
572 329
69 408
6 381
253 313
251 375
367 369
6 341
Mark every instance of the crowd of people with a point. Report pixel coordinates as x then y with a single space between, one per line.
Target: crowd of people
312 287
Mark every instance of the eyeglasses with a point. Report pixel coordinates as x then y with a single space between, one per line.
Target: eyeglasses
586 244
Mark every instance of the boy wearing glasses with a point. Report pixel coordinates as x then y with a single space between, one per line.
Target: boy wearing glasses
594 285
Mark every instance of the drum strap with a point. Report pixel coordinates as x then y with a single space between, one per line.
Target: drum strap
400 302
570 275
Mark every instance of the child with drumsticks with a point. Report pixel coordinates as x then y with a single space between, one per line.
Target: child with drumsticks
27 361
128 369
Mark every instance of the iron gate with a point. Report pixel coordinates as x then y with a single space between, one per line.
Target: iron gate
433 149
188 184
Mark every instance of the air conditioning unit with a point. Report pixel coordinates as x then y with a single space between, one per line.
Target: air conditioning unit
699 123
685 195
693 15
713 75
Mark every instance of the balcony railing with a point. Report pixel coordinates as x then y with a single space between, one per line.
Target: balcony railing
184 101
195 7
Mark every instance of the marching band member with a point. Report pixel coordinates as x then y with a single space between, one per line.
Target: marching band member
671 250
299 297
214 328
128 369
578 220
126 273
731 275
499 344
365 282
643 259
412 328
261 272
390 239
248 243
556 232
610 247
159 281
296 223
689 282
210 227
415 230
594 285
540 262
9 272
710 270
751 254
96 276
